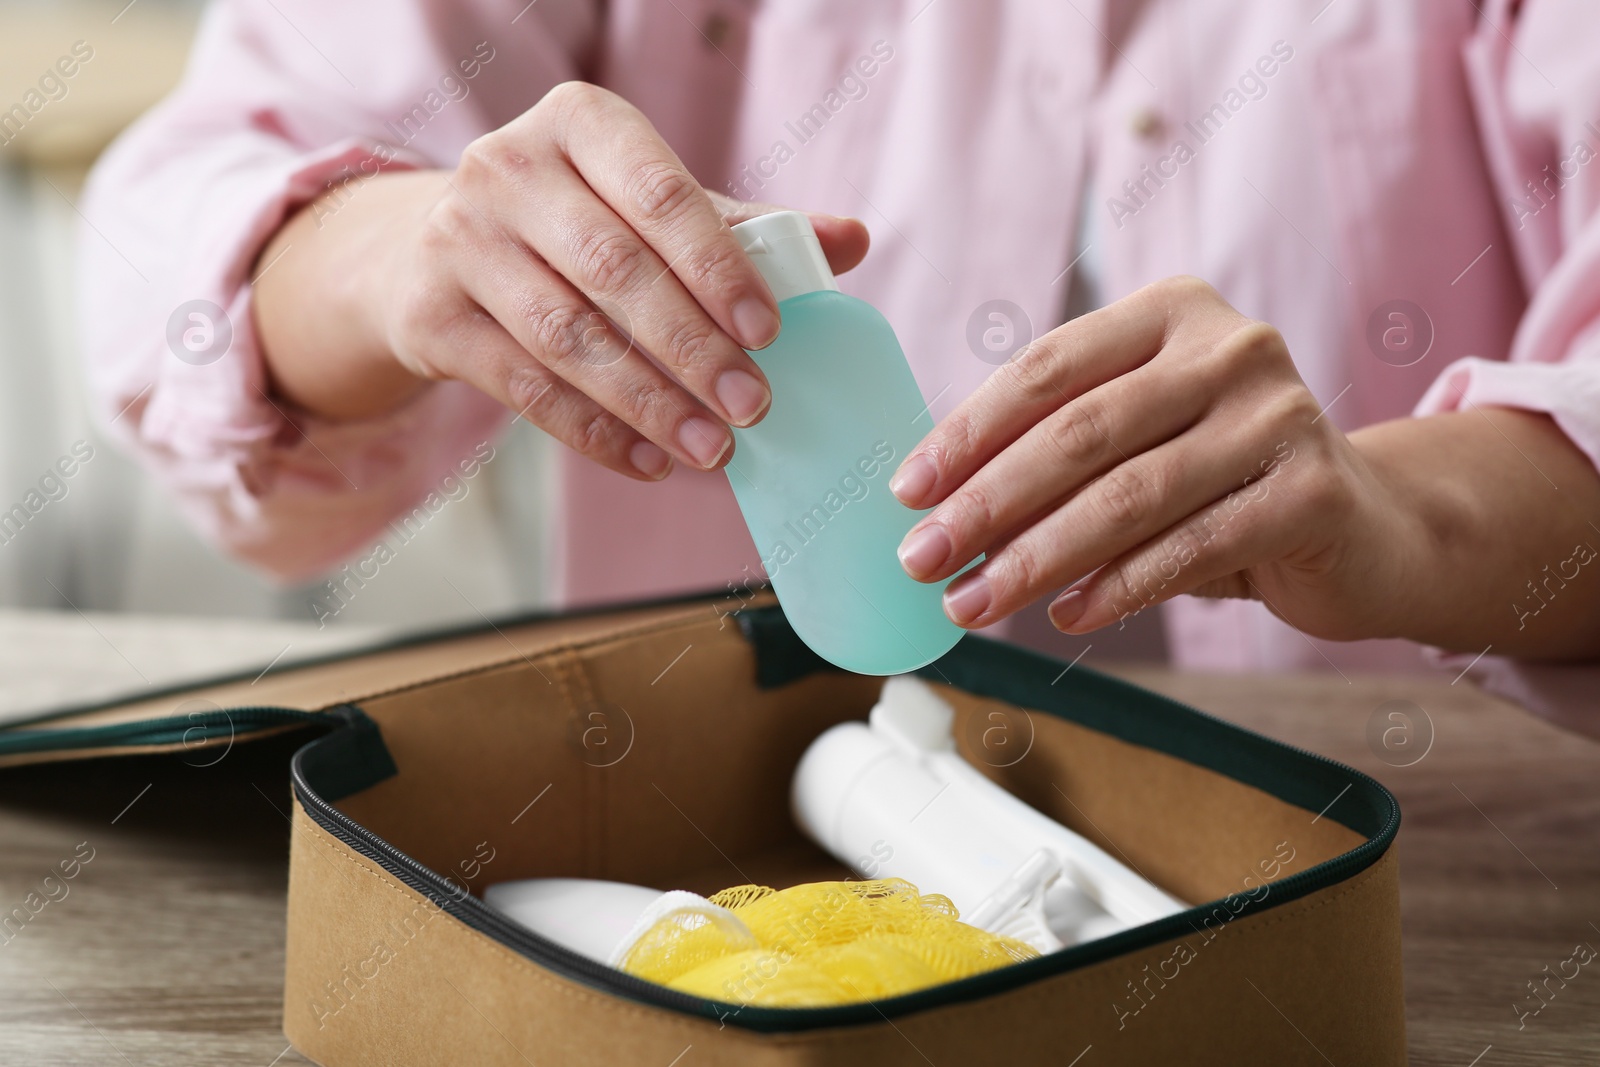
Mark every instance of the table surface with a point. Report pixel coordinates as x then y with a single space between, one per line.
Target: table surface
168 945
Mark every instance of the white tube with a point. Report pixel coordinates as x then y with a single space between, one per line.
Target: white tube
893 798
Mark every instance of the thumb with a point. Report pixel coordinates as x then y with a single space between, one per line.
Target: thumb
844 240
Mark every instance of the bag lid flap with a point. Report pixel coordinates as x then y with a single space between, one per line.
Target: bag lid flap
257 702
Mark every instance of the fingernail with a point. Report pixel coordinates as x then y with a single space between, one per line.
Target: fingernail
756 323
650 460
1067 608
924 551
704 440
742 396
914 480
967 599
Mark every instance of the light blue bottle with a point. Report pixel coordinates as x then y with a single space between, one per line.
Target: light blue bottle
812 477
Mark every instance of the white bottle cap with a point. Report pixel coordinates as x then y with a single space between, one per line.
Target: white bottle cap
785 249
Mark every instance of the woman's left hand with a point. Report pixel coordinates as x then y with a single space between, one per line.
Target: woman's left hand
1164 444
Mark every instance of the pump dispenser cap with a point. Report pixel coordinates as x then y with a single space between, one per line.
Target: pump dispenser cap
785 249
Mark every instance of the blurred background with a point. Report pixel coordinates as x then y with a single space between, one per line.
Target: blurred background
115 545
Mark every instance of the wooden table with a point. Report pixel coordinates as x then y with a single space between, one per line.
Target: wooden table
1499 850
168 947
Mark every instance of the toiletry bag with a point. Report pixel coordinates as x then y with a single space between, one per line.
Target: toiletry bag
655 744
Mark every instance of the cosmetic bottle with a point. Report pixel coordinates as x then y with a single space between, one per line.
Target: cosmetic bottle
893 798
812 477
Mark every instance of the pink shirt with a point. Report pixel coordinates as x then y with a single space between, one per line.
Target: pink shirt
1315 161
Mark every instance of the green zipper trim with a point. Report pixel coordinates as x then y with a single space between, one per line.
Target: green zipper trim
985 668
391 644
354 758
1108 705
191 729
1138 716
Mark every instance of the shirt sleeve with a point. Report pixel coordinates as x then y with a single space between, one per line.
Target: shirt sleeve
282 100
1543 146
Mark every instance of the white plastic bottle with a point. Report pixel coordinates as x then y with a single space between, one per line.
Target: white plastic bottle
893 795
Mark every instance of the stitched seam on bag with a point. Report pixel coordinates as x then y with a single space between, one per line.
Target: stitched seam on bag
578 691
532 657
1049 988
599 814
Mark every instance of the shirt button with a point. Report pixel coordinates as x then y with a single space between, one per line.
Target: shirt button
1146 122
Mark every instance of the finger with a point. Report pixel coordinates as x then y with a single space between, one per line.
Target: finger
556 327
1052 371
624 160
1132 503
1080 441
495 363
601 255
844 240
1211 548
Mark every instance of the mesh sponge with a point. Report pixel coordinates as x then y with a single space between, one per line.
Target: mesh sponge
690 932
819 944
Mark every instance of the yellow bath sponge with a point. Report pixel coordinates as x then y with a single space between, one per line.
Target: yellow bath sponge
819 944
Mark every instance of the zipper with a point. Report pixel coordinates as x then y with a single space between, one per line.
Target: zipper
400 642
452 899
187 730
449 897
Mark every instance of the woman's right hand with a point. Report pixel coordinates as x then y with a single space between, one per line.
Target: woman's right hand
513 274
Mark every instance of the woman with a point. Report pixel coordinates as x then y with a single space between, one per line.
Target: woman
421 220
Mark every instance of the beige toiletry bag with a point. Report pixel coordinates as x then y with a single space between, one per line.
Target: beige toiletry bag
655 744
